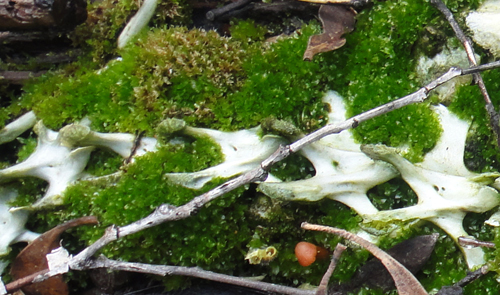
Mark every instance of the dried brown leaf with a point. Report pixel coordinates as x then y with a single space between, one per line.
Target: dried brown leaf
33 259
337 20
412 254
406 283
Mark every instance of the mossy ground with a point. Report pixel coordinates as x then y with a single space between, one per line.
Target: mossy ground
231 83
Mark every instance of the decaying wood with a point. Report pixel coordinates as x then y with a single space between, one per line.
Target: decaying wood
18 77
40 14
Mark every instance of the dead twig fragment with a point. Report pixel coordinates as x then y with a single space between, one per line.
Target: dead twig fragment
167 270
355 3
470 242
25 281
490 108
406 283
18 77
215 13
323 285
456 289
337 20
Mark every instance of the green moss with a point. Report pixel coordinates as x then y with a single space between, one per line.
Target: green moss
103 96
28 146
379 63
209 239
231 84
106 19
247 31
271 82
294 167
393 194
103 163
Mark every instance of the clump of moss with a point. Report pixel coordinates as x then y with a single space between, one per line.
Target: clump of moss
378 62
247 31
272 86
210 239
107 18
104 96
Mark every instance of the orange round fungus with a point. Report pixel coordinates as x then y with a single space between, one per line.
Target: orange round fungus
306 253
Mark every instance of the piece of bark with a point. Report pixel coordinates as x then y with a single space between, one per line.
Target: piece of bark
337 20
41 14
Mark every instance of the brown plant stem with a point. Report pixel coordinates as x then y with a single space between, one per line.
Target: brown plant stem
323 285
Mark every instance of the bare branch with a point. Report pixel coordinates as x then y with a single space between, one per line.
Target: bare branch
214 13
166 270
473 276
480 68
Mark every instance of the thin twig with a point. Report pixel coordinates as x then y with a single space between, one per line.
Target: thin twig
135 146
28 280
323 285
480 68
19 77
214 13
469 242
490 108
472 276
355 3
167 270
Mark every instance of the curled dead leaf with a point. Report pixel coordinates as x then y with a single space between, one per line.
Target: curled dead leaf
406 283
412 254
33 259
337 20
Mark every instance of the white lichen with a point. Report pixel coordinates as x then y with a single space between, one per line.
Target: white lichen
53 161
17 127
429 68
485 26
11 224
446 189
120 143
243 151
343 172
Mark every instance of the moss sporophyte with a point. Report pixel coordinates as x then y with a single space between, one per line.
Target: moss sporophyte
213 107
